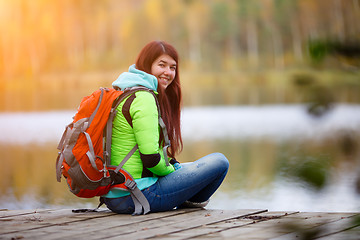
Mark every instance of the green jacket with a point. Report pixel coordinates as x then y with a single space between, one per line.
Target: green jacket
148 162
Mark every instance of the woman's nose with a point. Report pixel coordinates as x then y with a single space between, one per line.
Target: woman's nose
167 71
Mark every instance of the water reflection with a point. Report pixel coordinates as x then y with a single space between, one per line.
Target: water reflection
296 170
261 176
273 122
292 175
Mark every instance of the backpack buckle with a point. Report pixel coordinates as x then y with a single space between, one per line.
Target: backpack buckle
130 184
104 170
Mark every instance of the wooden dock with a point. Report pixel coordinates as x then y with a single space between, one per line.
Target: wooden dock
178 224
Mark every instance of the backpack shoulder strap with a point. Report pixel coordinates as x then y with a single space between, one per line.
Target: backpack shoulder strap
109 125
126 109
126 113
128 102
141 204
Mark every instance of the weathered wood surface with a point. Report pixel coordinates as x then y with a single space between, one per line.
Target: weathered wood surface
178 224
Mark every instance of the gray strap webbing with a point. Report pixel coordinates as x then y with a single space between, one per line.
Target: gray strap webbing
161 123
142 205
63 137
60 147
91 153
166 139
109 125
137 204
108 137
97 107
130 91
127 157
73 134
65 146
59 162
142 199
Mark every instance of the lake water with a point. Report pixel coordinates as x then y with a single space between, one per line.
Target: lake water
261 142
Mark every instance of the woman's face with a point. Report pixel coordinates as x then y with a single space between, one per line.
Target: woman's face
164 69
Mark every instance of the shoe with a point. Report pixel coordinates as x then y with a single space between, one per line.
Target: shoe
189 204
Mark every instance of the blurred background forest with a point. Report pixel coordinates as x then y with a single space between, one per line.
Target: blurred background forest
251 71
232 52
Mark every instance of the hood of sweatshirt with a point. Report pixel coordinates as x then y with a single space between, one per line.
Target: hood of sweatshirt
134 78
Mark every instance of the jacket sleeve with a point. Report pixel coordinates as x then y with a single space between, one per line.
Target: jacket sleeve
144 114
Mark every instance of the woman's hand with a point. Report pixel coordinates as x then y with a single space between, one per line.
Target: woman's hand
175 164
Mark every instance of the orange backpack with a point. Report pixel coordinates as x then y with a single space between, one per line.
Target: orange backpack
85 148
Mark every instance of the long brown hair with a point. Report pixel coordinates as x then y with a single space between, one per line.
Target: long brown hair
170 99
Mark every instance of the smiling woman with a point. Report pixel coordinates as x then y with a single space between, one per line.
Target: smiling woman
164 69
136 138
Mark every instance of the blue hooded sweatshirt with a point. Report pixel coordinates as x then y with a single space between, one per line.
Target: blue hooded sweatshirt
135 77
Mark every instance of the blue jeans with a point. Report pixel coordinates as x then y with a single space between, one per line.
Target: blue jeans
195 182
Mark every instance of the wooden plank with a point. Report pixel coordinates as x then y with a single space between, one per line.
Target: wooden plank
69 219
262 226
345 224
177 224
337 223
49 214
311 219
119 225
276 228
150 221
19 219
351 234
173 225
82 224
39 219
205 230
9 213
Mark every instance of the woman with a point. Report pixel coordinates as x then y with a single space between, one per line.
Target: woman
191 185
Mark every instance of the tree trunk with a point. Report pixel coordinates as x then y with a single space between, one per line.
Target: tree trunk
252 43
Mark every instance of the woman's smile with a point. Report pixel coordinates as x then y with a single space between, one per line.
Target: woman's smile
164 69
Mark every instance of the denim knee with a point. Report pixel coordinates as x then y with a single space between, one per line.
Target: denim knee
221 160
